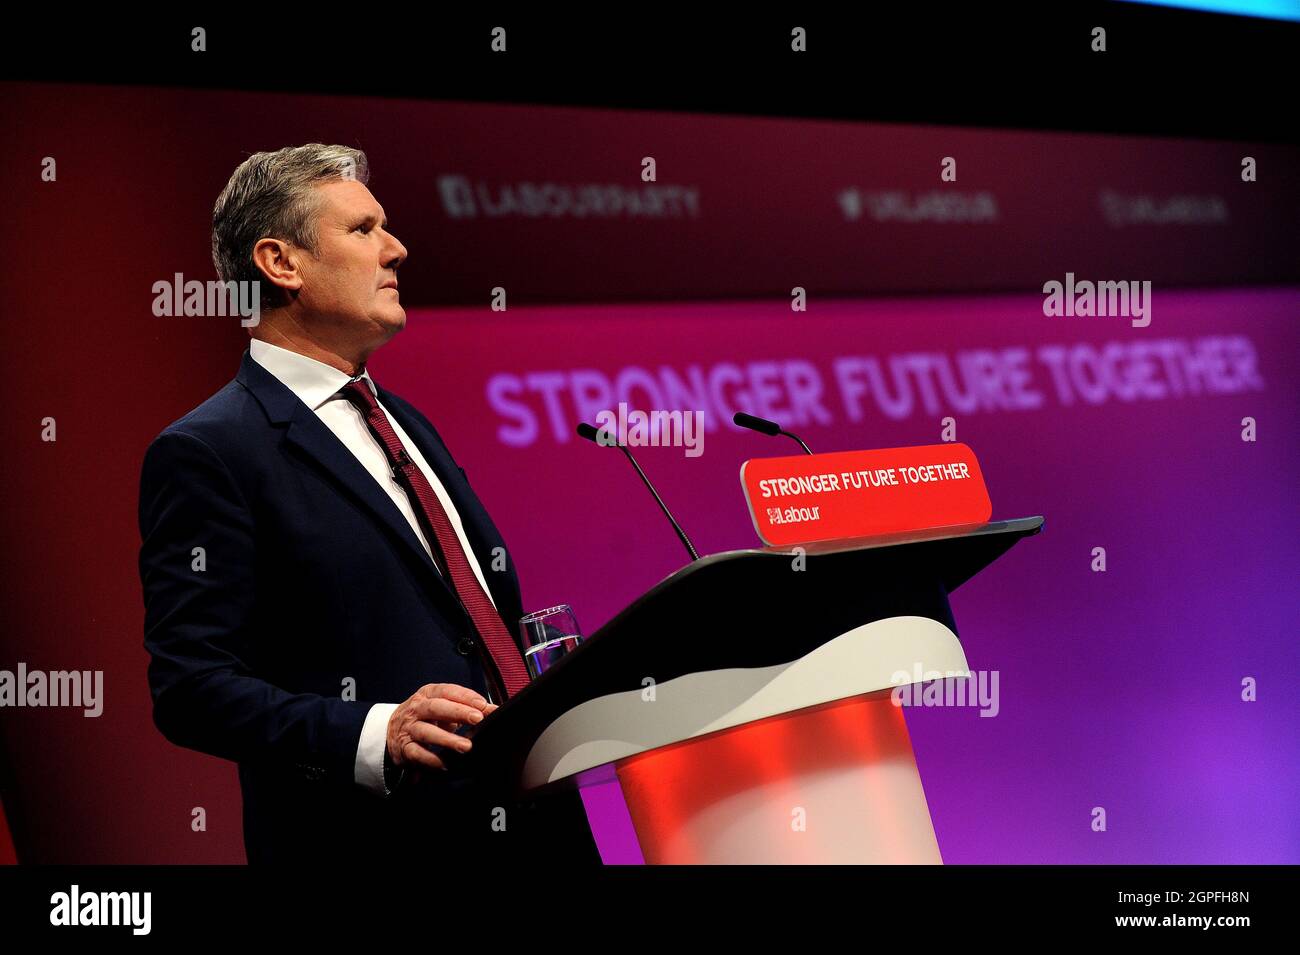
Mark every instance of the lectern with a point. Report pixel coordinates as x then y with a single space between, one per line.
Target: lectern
744 704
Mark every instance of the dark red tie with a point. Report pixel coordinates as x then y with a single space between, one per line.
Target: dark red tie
504 653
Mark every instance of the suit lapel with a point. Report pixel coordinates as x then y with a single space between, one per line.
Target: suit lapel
306 432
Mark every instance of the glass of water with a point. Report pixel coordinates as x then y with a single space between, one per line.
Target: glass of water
548 635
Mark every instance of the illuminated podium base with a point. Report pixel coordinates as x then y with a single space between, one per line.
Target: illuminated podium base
765 793
744 704
807 761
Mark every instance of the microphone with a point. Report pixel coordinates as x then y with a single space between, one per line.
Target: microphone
763 426
591 434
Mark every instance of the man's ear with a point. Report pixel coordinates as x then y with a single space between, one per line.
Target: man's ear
277 260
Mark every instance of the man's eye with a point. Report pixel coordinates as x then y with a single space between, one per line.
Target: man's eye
364 227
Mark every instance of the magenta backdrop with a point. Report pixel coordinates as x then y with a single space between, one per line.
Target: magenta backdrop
1119 690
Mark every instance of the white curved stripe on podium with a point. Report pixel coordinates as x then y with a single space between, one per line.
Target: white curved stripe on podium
862 660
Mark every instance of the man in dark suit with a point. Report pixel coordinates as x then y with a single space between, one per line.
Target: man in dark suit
327 601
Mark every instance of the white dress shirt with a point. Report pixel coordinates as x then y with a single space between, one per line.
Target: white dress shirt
317 385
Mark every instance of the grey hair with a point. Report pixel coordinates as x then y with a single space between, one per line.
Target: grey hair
272 195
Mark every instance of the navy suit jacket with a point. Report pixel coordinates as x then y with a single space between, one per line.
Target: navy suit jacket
309 577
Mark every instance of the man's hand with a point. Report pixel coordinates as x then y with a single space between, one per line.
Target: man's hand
430 718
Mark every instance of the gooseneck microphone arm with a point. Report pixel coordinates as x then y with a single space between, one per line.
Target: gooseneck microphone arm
763 426
591 434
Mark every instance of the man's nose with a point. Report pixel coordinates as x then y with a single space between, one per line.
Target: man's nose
394 254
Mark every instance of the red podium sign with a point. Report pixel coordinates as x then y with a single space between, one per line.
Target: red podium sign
814 497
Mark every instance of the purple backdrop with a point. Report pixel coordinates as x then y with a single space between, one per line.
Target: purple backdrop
1119 689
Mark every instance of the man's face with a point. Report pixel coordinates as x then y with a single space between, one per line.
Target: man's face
350 287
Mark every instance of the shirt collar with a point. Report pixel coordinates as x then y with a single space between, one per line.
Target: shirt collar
314 382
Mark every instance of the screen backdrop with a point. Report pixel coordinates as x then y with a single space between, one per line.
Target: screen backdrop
1118 690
